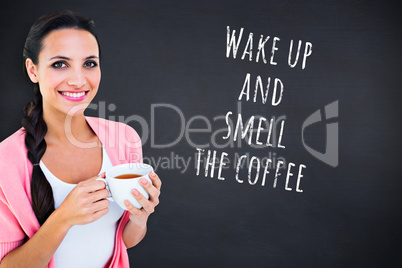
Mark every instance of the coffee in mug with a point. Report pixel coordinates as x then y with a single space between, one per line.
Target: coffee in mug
128 176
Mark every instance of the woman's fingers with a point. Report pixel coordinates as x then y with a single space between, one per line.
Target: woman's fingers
98 195
100 205
152 190
133 210
92 184
155 180
99 214
147 205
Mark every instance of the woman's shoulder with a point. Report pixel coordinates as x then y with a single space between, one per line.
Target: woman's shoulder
13 155
104 122
103 126
15 143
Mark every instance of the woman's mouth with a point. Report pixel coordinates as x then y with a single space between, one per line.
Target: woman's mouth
74 95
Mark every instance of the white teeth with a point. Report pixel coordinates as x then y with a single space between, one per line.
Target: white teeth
73 95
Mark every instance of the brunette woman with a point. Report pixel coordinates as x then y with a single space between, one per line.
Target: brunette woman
53 211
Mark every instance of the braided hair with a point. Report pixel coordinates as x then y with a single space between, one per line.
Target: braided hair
33 122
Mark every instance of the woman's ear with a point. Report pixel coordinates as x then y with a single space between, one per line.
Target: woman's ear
31 70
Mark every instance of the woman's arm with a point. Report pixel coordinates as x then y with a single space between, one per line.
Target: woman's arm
39 249
136 227
133 234
84 204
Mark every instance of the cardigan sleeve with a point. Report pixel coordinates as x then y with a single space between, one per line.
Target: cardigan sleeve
6 247
12 193
11 233
17 219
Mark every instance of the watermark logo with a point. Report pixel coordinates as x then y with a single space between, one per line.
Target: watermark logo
257 131
331 155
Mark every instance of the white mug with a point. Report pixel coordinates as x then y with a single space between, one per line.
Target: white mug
120 189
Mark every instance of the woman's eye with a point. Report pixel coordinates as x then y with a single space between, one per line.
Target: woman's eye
59 64
90 64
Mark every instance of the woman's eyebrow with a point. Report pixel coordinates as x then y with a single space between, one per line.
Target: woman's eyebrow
60 57
91 57
67 58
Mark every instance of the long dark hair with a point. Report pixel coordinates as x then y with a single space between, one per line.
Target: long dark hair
33 123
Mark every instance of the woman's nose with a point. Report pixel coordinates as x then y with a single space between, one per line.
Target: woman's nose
77 79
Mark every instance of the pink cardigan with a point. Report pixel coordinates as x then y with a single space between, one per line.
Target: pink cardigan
17 219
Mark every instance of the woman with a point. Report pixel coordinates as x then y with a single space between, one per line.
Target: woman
53 210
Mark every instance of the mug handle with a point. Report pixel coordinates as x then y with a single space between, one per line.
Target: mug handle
110 198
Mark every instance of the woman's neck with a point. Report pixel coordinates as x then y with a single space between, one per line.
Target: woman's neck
64 129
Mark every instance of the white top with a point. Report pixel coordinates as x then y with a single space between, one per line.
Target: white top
89 245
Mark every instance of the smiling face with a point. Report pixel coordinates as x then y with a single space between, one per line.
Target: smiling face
67 71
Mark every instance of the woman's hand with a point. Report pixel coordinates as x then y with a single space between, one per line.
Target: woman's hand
86 203
139 217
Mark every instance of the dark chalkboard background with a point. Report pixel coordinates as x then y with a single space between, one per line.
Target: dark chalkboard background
174 52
